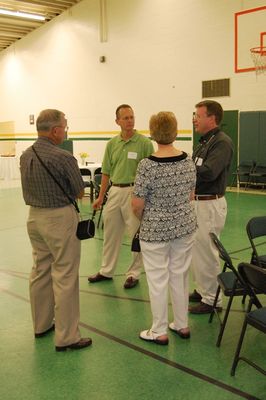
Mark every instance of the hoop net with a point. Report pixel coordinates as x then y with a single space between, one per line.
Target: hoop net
258 55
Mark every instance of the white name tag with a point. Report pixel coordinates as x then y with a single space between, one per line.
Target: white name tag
132 155
199 162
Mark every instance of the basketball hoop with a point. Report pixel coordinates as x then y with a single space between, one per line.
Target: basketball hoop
258 55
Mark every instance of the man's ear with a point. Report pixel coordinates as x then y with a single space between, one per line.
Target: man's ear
53 134
213 119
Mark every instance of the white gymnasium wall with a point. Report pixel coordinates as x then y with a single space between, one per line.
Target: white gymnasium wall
157 53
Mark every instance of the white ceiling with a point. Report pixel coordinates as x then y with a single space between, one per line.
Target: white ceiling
14 28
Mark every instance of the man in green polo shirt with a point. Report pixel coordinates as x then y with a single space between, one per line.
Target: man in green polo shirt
121 158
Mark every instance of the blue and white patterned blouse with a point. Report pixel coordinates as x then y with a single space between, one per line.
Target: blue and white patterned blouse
165 184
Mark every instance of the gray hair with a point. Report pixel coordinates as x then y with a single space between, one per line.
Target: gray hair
48 118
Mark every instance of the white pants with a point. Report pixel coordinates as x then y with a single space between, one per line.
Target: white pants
211 215
167 264
118 216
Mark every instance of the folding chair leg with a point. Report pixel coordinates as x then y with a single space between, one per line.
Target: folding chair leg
91 192
236 358
222 327
100 216
214 304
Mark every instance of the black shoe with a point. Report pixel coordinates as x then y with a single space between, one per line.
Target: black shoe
84 342
195 297
203 308
130 282
98 278
38 335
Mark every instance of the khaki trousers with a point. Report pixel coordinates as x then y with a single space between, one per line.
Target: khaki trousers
54 280
211 215
118 216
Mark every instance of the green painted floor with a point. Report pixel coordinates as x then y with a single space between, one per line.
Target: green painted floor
119 366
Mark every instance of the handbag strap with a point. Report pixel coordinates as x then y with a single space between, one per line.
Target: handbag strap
56 181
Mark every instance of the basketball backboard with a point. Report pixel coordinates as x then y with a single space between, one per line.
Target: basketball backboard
250 31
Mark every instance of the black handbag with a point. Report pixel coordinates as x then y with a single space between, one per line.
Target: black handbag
135 245
85 228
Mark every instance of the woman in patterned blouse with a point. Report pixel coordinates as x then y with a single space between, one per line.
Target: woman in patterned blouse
164 188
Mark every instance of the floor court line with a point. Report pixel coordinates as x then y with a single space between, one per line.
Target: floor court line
154 356
17 275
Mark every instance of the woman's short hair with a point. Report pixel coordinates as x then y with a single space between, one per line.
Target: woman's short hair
163 127
49 118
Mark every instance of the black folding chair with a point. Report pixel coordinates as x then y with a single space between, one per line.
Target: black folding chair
256 229
230 282
242 175
98 171
258 176
255 281
86 176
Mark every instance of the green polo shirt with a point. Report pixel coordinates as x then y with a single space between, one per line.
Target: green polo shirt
121 157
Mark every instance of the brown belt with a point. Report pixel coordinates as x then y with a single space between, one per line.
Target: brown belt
123 184
207 196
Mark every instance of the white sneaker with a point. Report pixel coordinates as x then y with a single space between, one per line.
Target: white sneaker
152 337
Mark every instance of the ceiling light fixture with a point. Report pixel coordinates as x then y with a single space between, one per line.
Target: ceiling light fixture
20 14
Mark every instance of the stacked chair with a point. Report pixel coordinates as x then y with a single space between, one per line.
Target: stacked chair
242 175
254 278
258 176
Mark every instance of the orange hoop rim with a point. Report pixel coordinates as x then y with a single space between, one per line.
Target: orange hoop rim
258 50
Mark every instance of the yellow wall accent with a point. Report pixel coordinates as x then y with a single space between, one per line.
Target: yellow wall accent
10 135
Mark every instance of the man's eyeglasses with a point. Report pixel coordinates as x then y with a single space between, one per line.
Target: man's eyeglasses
64 127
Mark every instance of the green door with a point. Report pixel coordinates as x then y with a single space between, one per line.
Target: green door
67 145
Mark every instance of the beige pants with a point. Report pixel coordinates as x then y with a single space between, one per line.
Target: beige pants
211 215
118 216
54 280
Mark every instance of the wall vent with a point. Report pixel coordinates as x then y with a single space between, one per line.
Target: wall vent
216 88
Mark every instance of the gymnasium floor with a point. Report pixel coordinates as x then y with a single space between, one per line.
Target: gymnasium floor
119 366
